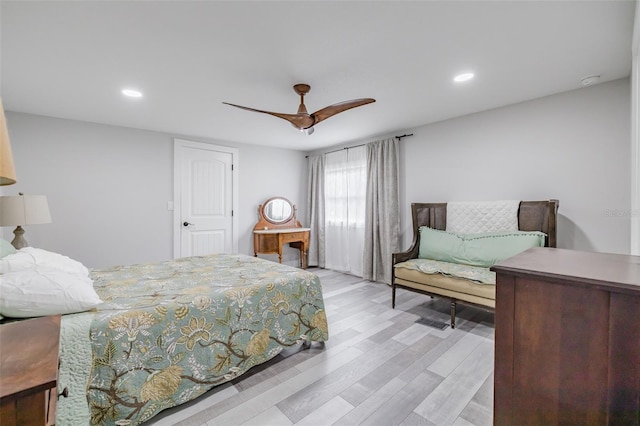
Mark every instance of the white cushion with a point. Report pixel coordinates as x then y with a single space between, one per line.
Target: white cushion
45 291
30 257
471 217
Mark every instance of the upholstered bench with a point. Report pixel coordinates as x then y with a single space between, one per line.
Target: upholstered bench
456 266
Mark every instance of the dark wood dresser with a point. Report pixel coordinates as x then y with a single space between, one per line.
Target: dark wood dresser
567 339
28 370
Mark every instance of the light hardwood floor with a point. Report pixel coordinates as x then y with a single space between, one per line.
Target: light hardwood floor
379 367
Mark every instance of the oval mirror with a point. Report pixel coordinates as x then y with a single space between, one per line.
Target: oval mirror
277 210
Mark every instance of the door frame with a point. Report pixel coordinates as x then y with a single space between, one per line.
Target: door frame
178 145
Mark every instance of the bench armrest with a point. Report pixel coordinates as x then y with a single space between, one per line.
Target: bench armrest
404 256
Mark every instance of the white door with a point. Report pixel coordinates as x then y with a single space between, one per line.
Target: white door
205 199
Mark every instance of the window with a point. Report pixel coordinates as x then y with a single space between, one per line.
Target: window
345 194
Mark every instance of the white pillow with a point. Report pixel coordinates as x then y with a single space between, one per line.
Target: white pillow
30 257
45 291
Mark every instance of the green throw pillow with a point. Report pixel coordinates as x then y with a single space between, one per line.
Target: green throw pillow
475 249
6 248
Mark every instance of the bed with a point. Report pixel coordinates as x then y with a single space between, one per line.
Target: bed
167 332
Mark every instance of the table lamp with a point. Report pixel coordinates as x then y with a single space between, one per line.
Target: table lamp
19 210
7 170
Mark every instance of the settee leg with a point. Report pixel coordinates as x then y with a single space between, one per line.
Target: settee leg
393 296
453 314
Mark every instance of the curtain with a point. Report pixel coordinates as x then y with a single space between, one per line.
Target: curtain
382 221
345 191
315 211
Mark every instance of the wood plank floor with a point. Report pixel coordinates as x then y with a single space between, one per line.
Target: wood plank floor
379 367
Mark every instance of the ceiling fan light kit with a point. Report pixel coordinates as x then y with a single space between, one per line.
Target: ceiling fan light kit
590 80
304 121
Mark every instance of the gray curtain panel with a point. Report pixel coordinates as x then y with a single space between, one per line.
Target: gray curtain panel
382 221
315 211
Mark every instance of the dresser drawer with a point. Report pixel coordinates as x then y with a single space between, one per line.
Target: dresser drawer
294 236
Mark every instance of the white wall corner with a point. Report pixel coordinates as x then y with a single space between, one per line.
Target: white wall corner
634 213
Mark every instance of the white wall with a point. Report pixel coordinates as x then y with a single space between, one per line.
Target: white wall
634 212
572 146
265 173
108 188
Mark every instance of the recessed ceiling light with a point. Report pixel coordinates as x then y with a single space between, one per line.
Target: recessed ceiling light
463 77
132 93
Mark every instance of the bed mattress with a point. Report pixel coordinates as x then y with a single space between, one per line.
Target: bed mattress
169 331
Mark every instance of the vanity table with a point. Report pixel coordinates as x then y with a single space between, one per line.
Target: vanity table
277 226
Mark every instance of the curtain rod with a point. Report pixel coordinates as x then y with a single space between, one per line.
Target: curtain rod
404 136
362 144
346 147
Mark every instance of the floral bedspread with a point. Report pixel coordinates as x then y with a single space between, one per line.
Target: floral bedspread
474 273
170 331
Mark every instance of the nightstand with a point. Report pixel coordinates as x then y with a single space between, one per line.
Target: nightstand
28 370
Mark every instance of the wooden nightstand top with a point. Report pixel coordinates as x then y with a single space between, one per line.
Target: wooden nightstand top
28 356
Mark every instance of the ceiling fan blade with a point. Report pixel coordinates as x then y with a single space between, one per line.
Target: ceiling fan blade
334 109
299 121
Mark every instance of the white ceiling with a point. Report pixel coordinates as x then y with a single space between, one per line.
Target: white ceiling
71 59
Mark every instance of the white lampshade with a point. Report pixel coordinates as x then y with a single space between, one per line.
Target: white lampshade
7 170
18 210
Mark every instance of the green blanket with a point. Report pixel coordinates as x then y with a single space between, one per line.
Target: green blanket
170 331
477 274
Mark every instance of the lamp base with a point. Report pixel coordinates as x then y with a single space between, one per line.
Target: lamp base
19 241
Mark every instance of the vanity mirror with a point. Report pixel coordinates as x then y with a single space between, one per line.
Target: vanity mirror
278 210
277 225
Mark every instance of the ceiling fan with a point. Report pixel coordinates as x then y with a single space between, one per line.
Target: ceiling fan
304 121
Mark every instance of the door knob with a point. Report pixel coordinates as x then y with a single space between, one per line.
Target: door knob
187 224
